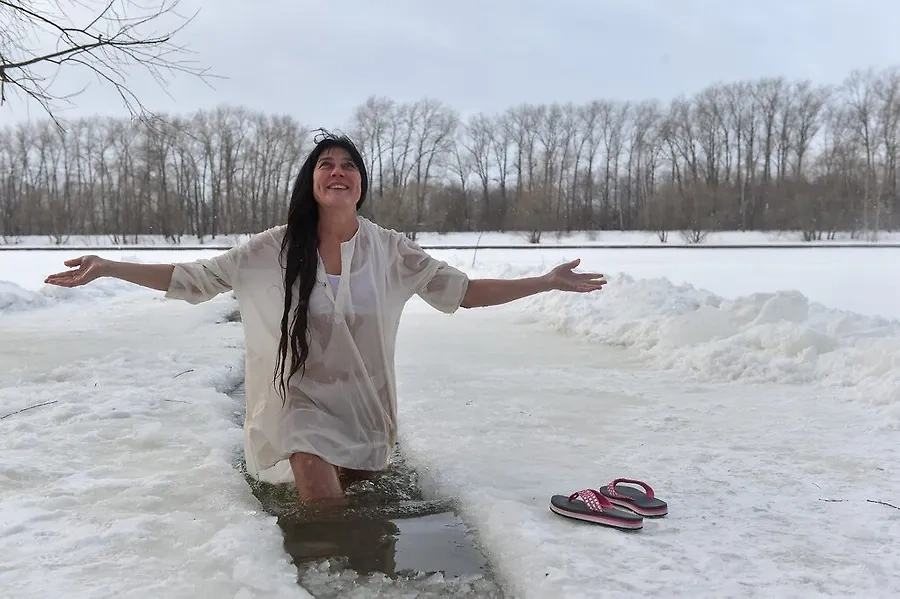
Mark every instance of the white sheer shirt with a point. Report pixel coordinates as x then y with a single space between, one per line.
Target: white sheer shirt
344 408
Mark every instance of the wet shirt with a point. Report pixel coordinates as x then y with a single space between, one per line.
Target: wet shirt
344 408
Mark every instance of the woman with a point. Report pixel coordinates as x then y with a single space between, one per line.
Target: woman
320 301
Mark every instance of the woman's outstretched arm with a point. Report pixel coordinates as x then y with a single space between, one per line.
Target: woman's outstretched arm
493 292
90 268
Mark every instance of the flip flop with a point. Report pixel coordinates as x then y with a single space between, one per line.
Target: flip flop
640 502
591 506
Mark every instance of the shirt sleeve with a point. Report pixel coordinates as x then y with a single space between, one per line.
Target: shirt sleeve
204 279
442 286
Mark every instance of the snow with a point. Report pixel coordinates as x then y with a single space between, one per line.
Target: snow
744 468
852 279
126 486
650 238
757 390
778 337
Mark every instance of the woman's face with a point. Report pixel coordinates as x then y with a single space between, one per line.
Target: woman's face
336 179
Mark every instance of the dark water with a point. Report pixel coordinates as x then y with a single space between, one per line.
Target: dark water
389 541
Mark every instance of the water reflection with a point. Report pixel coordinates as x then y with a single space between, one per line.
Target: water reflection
373 548
364 546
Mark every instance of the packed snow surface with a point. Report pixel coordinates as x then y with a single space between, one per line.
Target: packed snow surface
764 406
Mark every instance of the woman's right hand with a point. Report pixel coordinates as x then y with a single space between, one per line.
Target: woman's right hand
88 269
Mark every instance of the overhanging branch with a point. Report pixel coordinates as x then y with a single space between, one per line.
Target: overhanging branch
113 38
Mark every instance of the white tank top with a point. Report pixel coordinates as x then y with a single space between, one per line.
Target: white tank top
335 282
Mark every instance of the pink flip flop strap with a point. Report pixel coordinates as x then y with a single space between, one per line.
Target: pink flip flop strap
611 488
594 500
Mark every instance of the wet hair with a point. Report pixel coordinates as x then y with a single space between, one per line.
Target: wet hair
299 252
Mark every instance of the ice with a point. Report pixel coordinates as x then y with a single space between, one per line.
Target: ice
329 580
125 486
763 405
504 417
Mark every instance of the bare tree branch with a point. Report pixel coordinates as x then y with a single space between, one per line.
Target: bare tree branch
39 41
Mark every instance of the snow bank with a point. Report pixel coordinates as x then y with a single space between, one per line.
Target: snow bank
761 338
14 298
503 417
123 484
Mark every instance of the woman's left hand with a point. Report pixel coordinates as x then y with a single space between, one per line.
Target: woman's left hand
563 279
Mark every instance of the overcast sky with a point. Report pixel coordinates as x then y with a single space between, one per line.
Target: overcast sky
317 60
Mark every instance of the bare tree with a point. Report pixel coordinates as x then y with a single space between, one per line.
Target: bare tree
370 124
744 155
501 144
433 139
810 105
101 38
862 103
887 91
459 214
476 142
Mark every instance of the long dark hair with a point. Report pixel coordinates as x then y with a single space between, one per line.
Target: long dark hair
300 248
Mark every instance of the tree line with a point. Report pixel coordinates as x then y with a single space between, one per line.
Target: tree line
765 154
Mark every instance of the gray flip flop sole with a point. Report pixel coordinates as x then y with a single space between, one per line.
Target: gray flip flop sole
579 510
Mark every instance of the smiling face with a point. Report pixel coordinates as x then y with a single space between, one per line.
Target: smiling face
336 179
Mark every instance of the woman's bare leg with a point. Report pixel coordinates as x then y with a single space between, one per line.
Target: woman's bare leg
316 479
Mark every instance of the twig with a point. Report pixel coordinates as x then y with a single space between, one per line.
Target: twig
175 400
883 503
475 253
111 39
185 372
867 501
46 403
